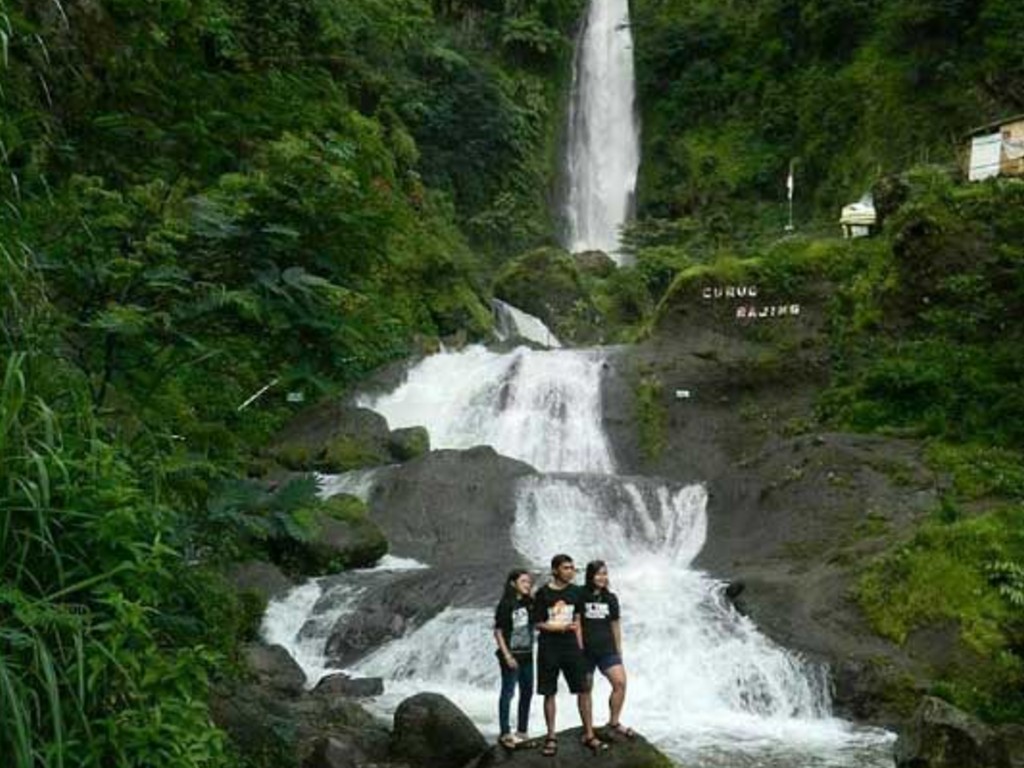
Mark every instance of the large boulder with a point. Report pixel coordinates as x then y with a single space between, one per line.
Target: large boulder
340 684
941 736
269 729
597 263
260 578
274 668
548 284
635 753
431 732
391 605
450 507
343 537
332 437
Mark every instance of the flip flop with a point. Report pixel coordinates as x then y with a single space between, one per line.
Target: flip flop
550 747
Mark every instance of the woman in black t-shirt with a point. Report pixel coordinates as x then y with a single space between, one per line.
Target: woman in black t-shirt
513 631
602 641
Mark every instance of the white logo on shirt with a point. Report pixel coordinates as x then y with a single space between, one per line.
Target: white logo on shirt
560 613
597 610
520 618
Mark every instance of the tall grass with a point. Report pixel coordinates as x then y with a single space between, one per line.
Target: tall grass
41 637
89 674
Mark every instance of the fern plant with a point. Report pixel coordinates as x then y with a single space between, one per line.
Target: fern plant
1007 576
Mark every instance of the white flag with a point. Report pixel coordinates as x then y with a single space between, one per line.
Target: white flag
789 182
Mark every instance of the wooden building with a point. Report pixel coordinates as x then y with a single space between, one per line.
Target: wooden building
996 149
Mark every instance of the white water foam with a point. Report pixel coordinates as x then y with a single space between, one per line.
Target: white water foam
293 623
603 134
542 407
357 482
513 323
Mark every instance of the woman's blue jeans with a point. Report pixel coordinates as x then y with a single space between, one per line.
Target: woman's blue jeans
523 676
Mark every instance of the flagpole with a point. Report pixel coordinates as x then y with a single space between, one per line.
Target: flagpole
789 193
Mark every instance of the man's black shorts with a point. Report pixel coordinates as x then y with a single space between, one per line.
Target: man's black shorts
566 658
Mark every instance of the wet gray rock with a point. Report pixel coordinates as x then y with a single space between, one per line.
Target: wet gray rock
634 753
258 577
340 684
450 507
391 605
274 668
273 730
941 736
331 752
431 732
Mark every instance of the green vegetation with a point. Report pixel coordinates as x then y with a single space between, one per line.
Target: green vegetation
967 573
201 198
651 416
731 93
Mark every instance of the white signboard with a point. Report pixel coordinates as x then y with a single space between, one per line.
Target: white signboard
985 156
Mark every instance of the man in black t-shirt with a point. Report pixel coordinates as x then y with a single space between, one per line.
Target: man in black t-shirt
558 607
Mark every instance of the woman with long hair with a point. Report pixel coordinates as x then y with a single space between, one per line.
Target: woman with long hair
602 641
513 631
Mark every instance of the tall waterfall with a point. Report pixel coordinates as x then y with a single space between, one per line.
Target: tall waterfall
603 133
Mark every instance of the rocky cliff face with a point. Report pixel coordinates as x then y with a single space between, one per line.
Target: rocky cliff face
792 512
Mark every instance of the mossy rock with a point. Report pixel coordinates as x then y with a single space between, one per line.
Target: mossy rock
351 452
545 282
596 263
548 284
332 437
344 537
459 308
408 443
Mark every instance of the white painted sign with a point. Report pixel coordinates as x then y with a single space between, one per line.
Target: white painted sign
986 154
711 293
757 313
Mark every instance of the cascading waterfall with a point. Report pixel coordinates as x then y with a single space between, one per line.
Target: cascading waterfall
704 683
541 407
603 140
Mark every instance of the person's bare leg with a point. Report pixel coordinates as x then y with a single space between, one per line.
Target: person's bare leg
549 714
586 707
617 677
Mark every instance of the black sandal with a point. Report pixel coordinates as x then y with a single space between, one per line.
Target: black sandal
550 747
594 744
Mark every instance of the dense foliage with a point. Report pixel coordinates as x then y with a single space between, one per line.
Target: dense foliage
848 88
202 198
